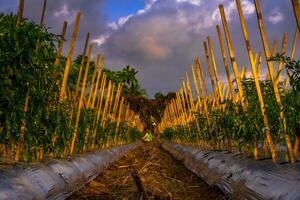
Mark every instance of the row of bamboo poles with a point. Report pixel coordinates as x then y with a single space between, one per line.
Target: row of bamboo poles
182 110
101 95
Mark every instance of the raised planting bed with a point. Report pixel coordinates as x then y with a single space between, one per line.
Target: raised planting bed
240 177
57 179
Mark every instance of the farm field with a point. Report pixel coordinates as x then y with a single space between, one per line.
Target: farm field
104 106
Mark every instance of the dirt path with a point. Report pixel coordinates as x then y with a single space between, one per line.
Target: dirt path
161 176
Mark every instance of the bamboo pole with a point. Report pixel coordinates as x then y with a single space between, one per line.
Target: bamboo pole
212 54
225 62
81 66
280 65
74 138
120 113
257 86
203 93
98 79
20 12
69 59
199 66
117 99
258 67
210 71
106 103
92 83
99 104
196 85
22 131
43 13
232 56
275 88
295 40
61 43
296 9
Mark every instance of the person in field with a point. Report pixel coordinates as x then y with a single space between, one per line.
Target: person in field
148 137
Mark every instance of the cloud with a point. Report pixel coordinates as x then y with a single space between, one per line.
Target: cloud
275 17
162 39
230 8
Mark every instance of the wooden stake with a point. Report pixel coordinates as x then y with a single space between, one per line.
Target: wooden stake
295 40
92 83
61 43
280 65
231 88
199 67
212 54
43 13
232 56
210 70
74 138
22 131
257 85
69 59
97 81
81 66
20 12
275 88
296 9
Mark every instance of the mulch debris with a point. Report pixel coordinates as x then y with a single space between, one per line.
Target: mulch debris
148 173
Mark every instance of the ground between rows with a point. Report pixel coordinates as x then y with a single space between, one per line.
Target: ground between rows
148 173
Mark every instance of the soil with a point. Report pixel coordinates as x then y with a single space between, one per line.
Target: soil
148 173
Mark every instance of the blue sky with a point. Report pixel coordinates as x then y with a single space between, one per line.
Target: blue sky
114 9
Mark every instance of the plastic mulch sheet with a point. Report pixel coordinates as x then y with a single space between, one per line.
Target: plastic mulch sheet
238 176
57 179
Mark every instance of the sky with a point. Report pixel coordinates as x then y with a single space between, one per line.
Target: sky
161 38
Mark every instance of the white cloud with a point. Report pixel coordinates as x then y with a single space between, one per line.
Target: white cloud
123 20
230 9
275 17
101 39
194 2
64 11
113 25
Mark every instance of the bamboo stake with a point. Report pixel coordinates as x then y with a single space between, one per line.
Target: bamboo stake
258 67
120 112
280 65
196 85
232 56
97 81
96 121
199 66
61 43
22 131
92 83
212 54
106 102
295 40
203 93
257 86
296 9
74 138
69 59
43 13
210 70
117 99
20 12
275 88
81 66
231 88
